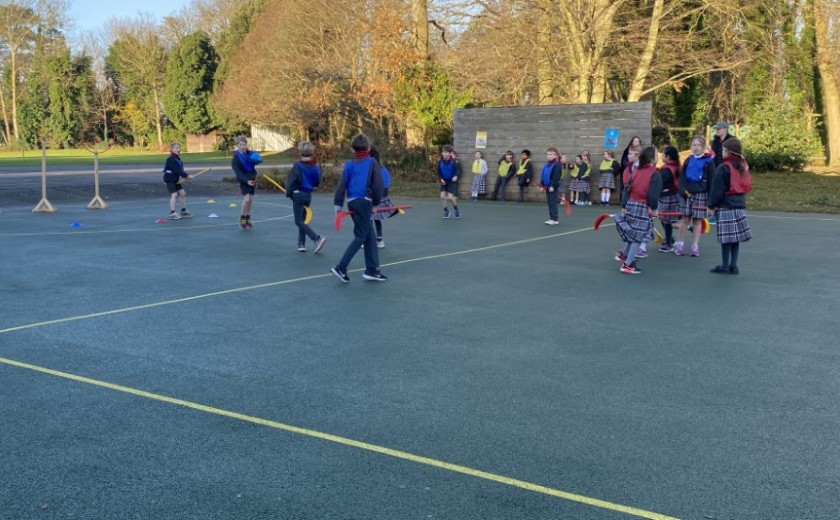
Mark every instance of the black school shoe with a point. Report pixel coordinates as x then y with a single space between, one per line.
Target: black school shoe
341 275
375 277
719 269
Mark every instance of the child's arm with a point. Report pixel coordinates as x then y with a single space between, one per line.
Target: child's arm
340 190
292 180
654 191
484 168
237 169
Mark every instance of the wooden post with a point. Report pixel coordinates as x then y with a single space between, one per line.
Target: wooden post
97 202
44 206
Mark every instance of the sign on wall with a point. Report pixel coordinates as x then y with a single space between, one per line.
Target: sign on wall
611 138
481 139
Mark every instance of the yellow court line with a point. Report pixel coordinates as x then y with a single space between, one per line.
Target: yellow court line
457 468
270 284
140 230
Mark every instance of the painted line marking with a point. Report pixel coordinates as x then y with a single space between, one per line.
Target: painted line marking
273 284
140 230
419 459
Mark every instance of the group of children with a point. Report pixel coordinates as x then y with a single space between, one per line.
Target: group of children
682 196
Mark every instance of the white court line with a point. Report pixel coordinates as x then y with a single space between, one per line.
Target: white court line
278 283
139 230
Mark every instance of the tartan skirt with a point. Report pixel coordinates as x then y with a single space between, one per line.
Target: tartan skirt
732 226
576 185
669 203
585 186
479 184
636 225
382 215
697 200
607 180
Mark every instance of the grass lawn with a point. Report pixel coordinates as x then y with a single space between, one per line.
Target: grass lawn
115 156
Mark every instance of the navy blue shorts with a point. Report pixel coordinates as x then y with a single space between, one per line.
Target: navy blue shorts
450 187
245 189
173 187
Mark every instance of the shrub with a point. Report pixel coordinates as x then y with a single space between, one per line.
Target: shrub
778 138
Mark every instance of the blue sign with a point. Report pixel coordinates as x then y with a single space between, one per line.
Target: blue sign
611 138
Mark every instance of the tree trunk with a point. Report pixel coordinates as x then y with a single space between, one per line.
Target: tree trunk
157 119
6 135
643 67
13 81
420 14
545 81
828 81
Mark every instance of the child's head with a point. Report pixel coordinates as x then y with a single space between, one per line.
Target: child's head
633 153
241 143
608 155
732 146
360 143
671 154
635 141
526 154
509 156
374 152
478 155
175 147
698 144
563 158
584 155
552 154
647 156
578 159
447 152
306 149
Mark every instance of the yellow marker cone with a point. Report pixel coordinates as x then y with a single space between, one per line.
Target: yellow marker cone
211 201
232 205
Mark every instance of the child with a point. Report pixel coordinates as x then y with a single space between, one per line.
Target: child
695 177
304 177
244 164
669 201
449 170
731 182
638 204
479 169
565 169
173 172
575 184
585 184
361 184
379 216
609 170
550 183
505 171
524 173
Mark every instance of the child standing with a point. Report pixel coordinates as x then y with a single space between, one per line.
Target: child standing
505 171
575 184
669 200
609 169
638 205
731 182
479 182
449 170
173 172
379 216
585 184
361 185
695 177
304 177
524 173
244 164
550 183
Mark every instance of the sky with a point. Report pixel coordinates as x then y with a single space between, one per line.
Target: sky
91 15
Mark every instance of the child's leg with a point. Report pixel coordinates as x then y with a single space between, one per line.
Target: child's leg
725 255
735 248
378 225
631 252
443 199
246 204
669 233
183 194
698 230
173 198
686 221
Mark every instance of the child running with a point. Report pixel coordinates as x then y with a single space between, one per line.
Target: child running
361 185
173 172
695 177
638 206
669 200
550 183
244 164
304 177
449 170
732 180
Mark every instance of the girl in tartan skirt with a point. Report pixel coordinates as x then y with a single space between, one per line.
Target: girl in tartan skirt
669 201
479 182
731 182
695 181
638 206
609 171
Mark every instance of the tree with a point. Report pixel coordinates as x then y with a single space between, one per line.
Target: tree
18 21
136 63
823 15
190 75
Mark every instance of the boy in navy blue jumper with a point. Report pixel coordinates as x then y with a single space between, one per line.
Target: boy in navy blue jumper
304 177
361 184
244 164
173 172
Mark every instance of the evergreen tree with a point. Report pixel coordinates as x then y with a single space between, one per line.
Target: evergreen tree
189 84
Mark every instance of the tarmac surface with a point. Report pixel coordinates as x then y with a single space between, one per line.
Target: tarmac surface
506 370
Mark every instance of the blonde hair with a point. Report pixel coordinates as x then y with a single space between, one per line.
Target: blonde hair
240 139
306 149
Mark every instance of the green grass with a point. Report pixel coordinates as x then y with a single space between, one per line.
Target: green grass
797 192
116 156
